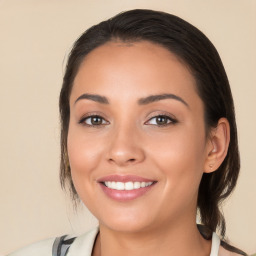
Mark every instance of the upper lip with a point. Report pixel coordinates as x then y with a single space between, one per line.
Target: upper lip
124 178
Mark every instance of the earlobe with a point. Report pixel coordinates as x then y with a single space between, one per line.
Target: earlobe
217 147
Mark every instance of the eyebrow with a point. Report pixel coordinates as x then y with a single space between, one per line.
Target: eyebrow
153 98
93 97
142 101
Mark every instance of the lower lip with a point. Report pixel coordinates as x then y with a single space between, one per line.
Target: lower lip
125 195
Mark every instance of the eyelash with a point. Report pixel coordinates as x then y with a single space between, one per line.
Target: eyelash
82 121
171 120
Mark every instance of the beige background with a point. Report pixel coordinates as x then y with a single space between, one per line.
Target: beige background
35 35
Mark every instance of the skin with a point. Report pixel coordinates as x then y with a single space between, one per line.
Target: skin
129 140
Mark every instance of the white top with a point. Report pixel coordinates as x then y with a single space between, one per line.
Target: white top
83 245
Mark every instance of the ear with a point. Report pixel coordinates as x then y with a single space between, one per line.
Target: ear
217 146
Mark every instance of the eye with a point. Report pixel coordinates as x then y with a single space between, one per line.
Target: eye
161 120
93 120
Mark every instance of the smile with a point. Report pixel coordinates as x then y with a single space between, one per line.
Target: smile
127 185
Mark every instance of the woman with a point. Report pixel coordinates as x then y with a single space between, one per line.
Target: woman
148 139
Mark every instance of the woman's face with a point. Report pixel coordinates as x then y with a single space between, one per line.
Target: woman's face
136 143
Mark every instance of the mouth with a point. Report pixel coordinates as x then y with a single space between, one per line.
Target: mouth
124 188
126 185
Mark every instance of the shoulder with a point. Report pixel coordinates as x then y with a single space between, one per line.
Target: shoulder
82 245
42 248
225 252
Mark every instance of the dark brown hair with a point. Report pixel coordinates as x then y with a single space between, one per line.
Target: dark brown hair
194 49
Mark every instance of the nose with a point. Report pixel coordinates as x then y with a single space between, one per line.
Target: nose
125 147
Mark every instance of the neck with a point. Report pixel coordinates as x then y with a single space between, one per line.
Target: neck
181 238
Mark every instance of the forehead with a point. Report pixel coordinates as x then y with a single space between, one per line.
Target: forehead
116 67
135 52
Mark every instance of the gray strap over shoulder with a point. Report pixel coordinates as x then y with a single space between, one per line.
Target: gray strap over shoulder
61 246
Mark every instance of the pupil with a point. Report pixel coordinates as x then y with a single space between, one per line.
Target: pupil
161 120
96 120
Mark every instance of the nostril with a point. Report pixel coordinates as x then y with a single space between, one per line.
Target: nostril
132 160
125 156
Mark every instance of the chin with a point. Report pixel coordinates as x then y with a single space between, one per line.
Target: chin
124 220
126 226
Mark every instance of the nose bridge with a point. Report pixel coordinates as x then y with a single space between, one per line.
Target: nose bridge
125 146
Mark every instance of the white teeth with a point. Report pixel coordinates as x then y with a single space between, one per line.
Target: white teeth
136 185
127 185
120 185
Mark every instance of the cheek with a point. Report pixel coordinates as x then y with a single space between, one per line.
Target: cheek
84 154
183 146
180 157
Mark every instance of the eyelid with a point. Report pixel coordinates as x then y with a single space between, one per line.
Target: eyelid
172 118
91 115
